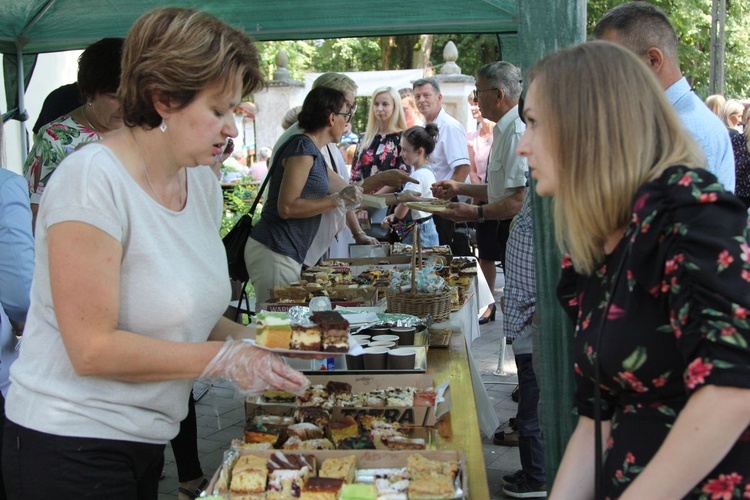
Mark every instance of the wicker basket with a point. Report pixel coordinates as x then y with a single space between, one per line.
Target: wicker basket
419 304
437 305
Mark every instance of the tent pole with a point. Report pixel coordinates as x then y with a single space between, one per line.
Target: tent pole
21 103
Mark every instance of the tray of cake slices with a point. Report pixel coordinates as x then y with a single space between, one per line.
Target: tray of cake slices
407 399
344 475
324 332
314 428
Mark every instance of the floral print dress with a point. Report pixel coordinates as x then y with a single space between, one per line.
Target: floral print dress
677 320
52 144
383 153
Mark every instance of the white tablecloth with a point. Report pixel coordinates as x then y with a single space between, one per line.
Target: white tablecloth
466 319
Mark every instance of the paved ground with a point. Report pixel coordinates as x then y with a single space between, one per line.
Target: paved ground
221 417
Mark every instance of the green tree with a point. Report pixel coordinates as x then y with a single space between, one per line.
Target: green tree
299 52
474 51
347 54
692 22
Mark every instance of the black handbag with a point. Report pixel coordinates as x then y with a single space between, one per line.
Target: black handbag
464 238
236 239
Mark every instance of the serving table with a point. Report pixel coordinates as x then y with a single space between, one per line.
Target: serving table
459 430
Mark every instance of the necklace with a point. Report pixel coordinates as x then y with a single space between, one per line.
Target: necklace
88 122
148 177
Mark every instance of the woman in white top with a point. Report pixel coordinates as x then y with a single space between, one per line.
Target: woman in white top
416 145
131 277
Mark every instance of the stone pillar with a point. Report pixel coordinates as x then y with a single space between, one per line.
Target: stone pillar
272 102
455 88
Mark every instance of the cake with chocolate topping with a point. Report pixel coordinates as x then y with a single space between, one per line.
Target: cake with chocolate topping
322 488
306 337
335 330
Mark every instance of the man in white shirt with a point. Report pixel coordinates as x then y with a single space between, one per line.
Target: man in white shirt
498 90
450 159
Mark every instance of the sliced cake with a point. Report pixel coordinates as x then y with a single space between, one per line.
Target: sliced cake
335 330
305 431
358 492
274 330
259 433
306 337
342 428
431 489
249 475
322 488
288 474
340 468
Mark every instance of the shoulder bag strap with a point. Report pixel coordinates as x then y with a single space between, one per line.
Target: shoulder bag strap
276 160
330 157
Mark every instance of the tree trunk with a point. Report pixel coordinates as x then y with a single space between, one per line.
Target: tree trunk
424 54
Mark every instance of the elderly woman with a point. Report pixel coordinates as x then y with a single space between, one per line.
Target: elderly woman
131 279
656 280
98 79
298 194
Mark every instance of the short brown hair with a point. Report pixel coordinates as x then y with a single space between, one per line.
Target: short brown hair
177 53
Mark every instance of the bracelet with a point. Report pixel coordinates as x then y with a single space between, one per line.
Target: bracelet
359 232
395 195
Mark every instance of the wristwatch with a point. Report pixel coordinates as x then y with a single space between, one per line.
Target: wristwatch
480 214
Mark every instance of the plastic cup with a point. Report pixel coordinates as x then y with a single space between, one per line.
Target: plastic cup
378 330
386 338
376 358
320 304
382 343
405 334
355 362
402 358
361 339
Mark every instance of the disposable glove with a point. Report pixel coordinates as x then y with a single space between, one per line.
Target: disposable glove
252 370
349 198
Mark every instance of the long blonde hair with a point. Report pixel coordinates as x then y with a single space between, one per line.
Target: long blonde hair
397 122
611 130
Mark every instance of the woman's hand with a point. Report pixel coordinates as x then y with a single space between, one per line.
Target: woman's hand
350 197
388 221
363 239
253 370
393 178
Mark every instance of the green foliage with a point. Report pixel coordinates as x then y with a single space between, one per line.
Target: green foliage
299 52
347 54
691 19
237 202
692 22
474 51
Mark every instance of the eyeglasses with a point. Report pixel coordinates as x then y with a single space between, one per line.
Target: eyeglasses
477 92
347 116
